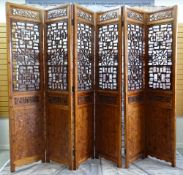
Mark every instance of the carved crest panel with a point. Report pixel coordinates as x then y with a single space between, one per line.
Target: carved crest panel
160 56
85 59
135 57
25 39
57 36
108 57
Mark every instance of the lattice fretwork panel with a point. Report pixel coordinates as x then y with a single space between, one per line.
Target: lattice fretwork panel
57 58
108 57
85 59
160 56
25 56
135 57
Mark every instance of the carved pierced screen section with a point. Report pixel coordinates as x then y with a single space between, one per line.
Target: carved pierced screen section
85 57
135 57
57 56
108 57
160 56
25 56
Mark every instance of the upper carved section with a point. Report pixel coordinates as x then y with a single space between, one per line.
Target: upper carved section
160 15
56 13
85 15
25 13
135 15
108 16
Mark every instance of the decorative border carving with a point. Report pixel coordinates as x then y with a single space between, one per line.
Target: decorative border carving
56 13
108 16
136 99
85 15
160 15
135 15
26 100
25 13
61 100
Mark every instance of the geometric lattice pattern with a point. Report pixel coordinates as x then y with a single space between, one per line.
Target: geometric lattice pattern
25 56
160 56
108 56
135 57
85 59
57 56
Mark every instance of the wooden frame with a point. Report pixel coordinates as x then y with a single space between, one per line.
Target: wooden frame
68 109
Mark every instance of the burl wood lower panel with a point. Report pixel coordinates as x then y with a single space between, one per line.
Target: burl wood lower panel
160 134
106 120
28 135
136 132
84 133
57 134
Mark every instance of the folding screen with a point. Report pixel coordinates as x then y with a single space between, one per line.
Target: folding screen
160 84
24 33
108 85
134 48
83 83
58 99
59 110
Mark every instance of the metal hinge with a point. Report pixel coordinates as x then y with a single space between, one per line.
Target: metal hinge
74 153
122 23
73 88
73 21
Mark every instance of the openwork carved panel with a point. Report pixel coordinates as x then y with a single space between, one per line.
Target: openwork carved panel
56 13
85 59
85 15
160 56
57 36
108 16
135 57
26 100
58 100
25 56
135 15
108 57
160 15
25 13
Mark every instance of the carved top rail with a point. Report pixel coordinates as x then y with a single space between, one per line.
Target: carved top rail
135 15
24 13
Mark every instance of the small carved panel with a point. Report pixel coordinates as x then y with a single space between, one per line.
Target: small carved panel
108 57
56 13
57 56
135 57
158 98
160 15
25 39
105 99
108 16
135 15
26 100
85 58
160 56
25 13
136 99
84 15
85 99
58 100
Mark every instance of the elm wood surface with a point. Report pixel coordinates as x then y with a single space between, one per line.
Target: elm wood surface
83 83
108 109
25 65
58 85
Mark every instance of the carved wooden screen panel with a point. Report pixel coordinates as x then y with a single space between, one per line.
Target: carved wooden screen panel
24 32
83 83
58 84
161 53
134 38
108 85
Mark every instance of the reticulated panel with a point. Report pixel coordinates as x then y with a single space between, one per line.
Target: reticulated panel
160 56
108 57
57 56
25 56
135 57
85 56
